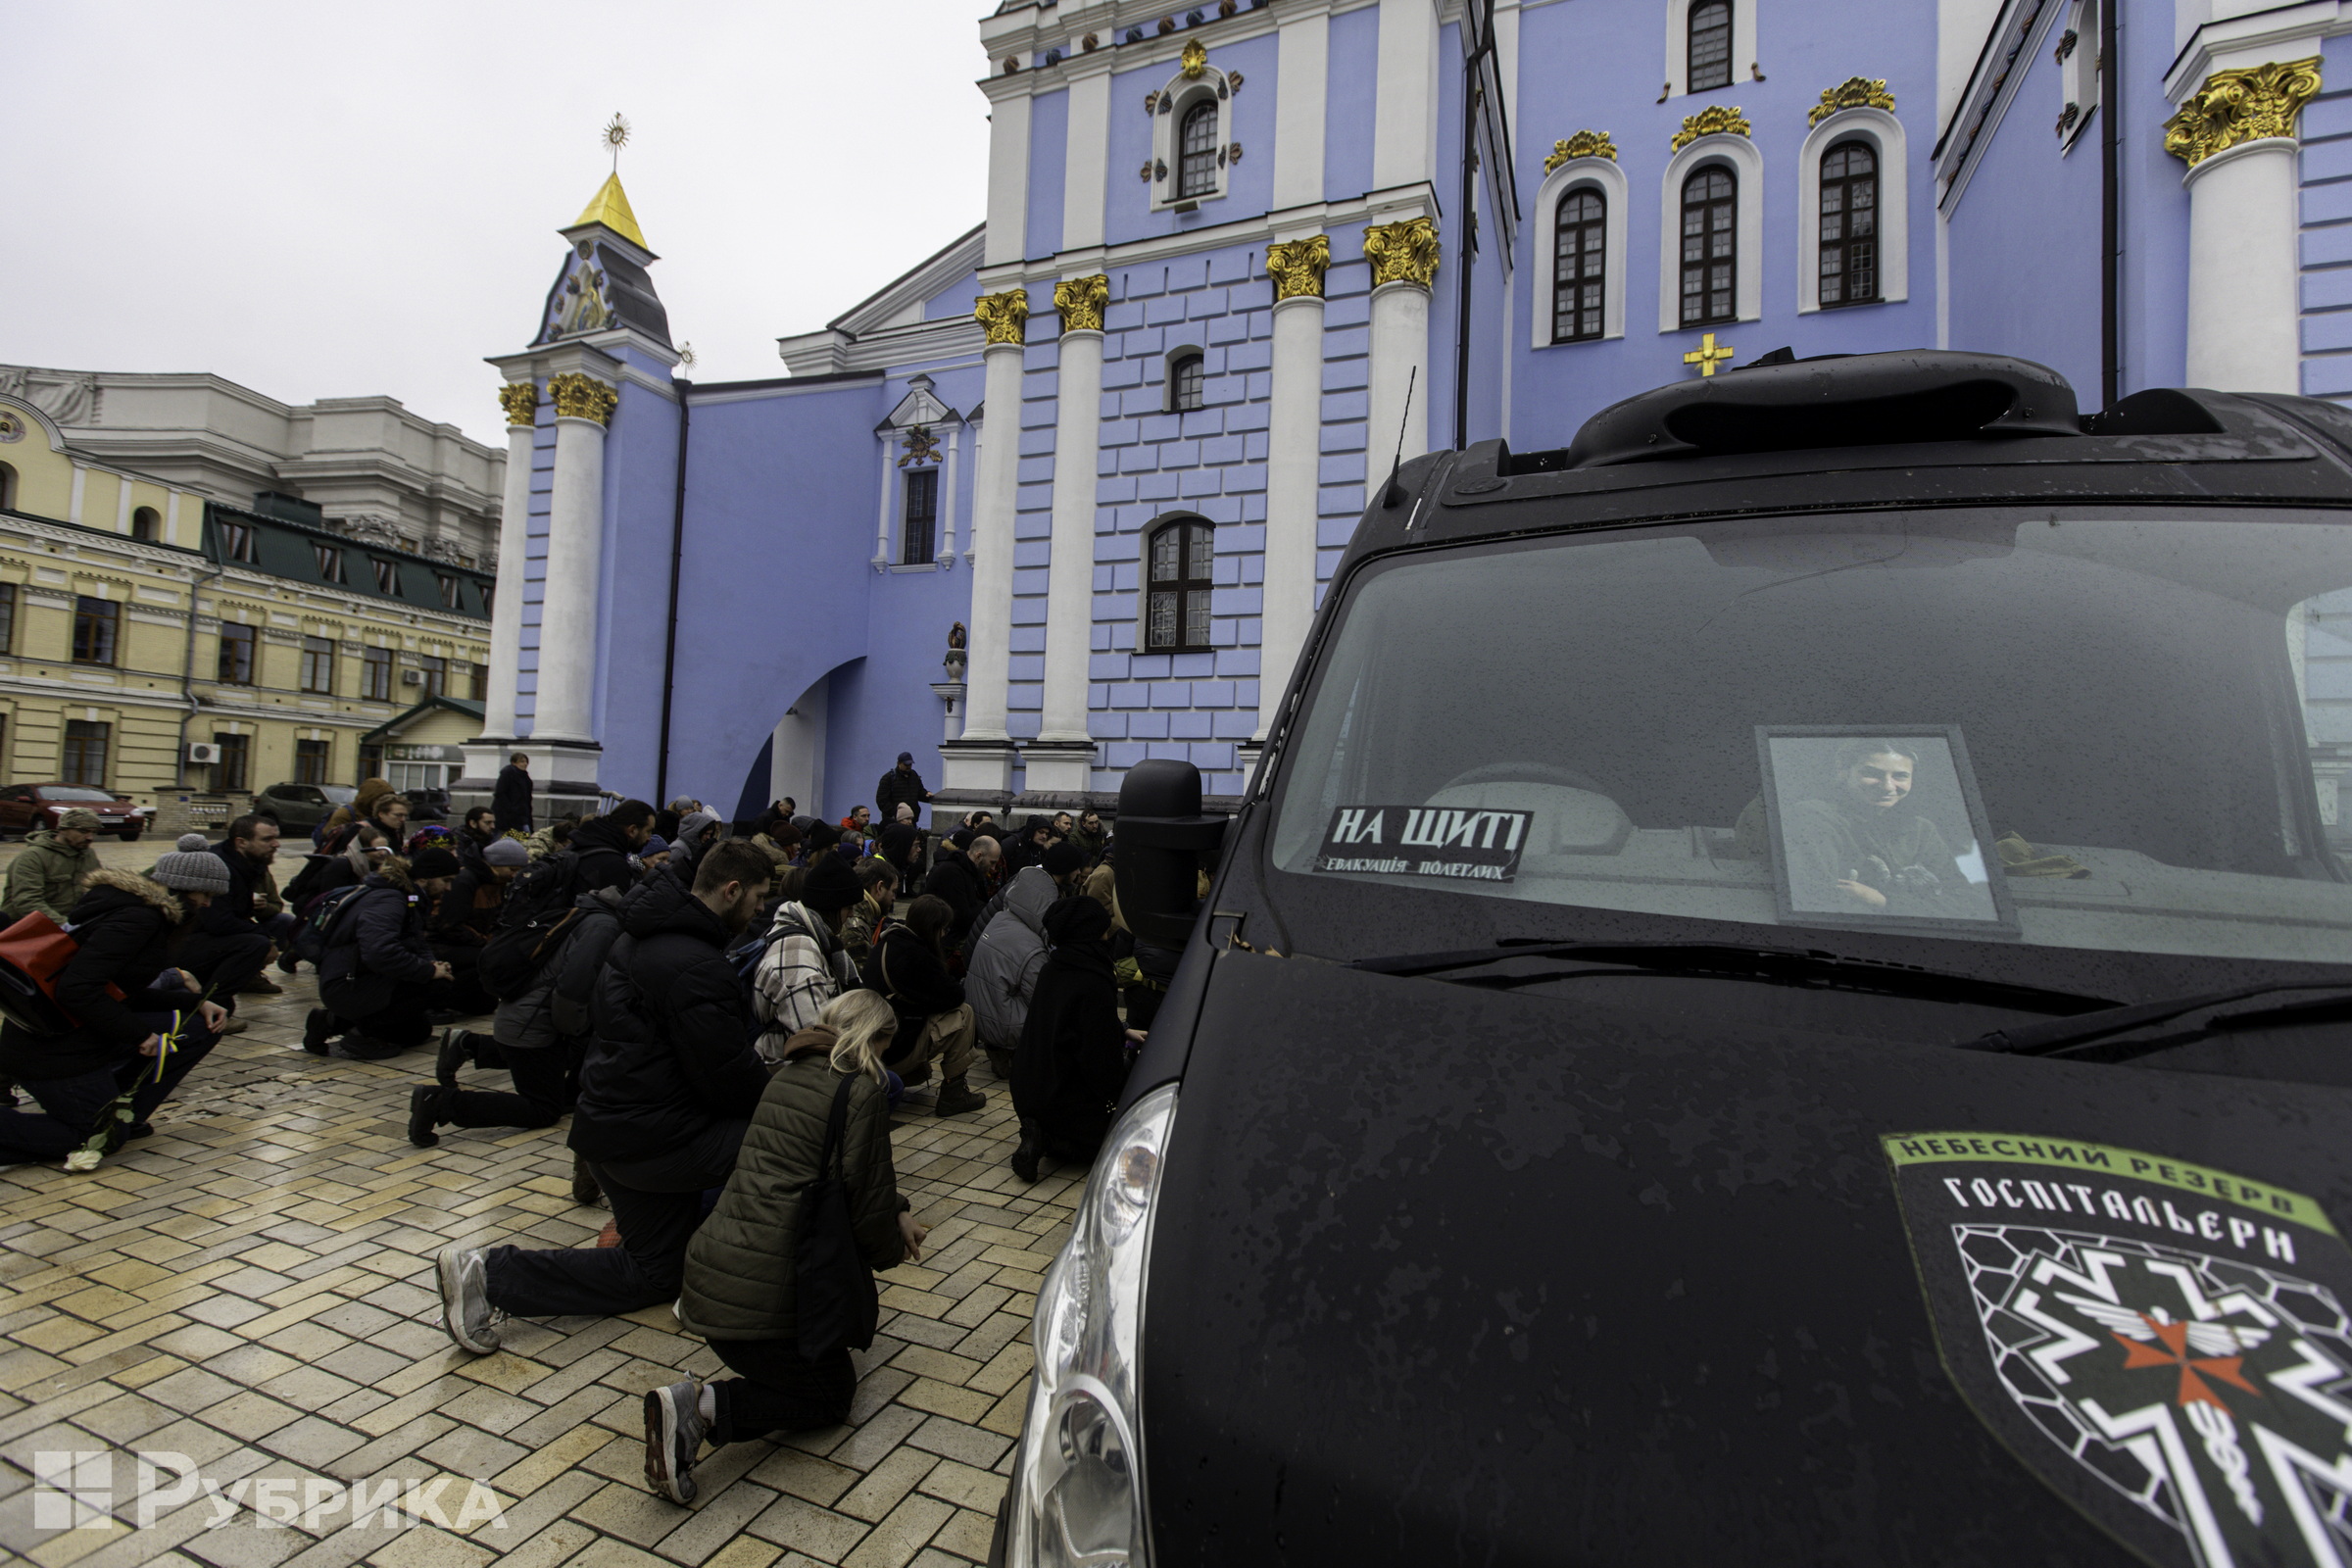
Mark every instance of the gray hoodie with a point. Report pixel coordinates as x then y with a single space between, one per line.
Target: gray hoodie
1003 969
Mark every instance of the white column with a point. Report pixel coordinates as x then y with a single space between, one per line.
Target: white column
2243 309
513 565
1007 174
1087 149
1404 119
947 504
1302 69
1400 359
882 514
575 530
996 487
1293 441
1070 586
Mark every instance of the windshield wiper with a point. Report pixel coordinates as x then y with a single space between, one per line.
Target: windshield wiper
2045 1039
1786 967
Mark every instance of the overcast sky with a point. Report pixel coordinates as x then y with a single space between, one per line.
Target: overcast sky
336 201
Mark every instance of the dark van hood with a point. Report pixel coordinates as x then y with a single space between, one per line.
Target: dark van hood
1446 1276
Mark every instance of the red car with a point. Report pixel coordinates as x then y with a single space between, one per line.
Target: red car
26 806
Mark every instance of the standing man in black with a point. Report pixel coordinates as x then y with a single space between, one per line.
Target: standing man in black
900 786
510 799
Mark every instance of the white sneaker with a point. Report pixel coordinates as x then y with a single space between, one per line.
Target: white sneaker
466 1309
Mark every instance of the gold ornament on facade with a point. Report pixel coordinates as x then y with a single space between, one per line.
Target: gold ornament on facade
1296 267
1195 60
521 400
1081 302
1402 253
1584 144
1855 93
582 396
1005 316
2239 105
921 447
1714 122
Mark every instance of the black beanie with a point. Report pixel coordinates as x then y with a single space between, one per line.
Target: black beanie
1063 858
1076 920
433 862
830 885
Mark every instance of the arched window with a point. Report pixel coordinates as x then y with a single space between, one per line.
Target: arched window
1580 251
1710 58
145 525
1187 373
1176 606
8 488
1196 151
1850 225
1711 247
920 534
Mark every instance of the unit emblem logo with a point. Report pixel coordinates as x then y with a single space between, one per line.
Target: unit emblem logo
2165 1344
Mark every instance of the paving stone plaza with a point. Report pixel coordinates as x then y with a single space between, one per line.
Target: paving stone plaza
251 1288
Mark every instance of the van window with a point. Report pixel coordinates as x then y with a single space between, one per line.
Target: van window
2152 715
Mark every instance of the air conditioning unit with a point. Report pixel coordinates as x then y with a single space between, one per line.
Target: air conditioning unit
204 753
411 677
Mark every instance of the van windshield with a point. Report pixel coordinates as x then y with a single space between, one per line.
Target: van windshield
2111 732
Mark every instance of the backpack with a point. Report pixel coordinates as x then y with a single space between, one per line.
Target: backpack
539 907
33 952
569 1004
315 931
305 881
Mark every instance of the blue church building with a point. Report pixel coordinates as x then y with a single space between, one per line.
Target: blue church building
1063 496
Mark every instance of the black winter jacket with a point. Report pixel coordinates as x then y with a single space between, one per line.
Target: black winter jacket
455 920
244 885
963 885
376 944
605 855
670 1051
510 799
897 789
919 987
1071 1063
122 923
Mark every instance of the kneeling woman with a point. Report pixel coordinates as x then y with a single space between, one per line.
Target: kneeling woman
740 1284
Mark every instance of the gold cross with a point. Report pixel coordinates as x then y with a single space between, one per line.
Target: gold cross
1707 356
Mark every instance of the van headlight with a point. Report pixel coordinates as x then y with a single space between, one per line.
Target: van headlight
1079 1492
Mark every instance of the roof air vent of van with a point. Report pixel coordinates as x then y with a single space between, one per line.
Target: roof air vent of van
1834 401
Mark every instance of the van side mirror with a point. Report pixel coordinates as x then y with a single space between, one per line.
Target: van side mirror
1163 841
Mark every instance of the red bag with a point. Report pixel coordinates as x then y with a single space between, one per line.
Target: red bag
33 952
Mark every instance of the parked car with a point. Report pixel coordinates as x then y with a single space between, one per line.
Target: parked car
26 806
300 805
1780 994
426 804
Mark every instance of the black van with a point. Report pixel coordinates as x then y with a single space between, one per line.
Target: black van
1782 994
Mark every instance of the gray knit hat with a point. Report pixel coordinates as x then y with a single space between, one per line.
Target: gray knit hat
197 872
192 843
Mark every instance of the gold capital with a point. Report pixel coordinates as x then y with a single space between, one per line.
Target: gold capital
1081 301
1195 60
1855 93
521 400
1005 316
2236 105
1296 267
1711 122
1584 144
582 396
1402 253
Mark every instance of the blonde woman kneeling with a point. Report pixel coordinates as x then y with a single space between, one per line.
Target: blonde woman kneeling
740 1265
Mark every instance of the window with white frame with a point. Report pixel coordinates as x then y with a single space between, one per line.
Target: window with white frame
1711 234
1710 44
2077 55
1191 142
1852 222
1580 215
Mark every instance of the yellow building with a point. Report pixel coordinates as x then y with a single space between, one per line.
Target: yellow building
188 653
